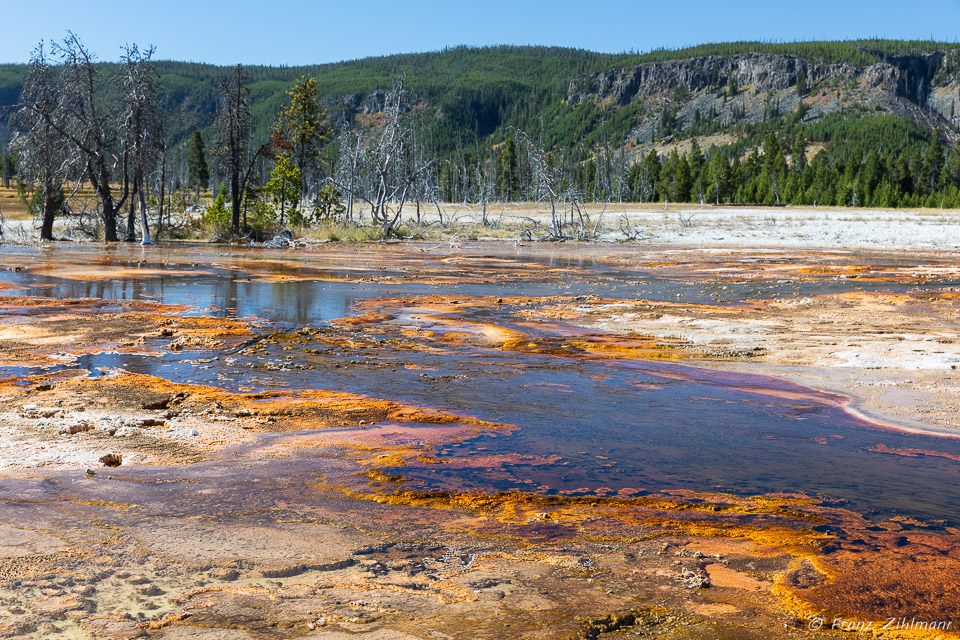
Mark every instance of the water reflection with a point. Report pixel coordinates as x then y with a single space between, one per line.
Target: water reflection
613 424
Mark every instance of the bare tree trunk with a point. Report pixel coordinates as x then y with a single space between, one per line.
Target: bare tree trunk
49 209
233 126
235 198
144 224
109 221
131 233
554 224
163 194
131 216
108 209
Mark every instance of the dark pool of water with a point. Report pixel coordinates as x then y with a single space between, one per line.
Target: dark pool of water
232 289
614 424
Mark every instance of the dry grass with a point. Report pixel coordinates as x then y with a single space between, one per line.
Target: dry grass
340 232
12 207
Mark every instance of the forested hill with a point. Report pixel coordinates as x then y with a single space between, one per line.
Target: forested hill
730 94
475 89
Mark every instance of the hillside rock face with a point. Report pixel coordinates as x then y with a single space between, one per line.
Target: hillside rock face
370 103
366 103
909 77
922 88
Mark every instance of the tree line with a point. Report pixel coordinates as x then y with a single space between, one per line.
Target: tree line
859 52
82 125
779 173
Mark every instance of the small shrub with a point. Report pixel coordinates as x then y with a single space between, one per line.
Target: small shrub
263 221
329 205
342 232
217 218
35 204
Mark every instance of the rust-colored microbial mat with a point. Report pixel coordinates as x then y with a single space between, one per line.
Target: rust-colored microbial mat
494 441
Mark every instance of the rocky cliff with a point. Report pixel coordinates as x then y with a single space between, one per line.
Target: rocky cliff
751 87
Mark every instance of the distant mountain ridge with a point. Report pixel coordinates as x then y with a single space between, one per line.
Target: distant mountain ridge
474 95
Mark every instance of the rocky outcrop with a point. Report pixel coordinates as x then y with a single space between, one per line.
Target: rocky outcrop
916 76
922 88
368 103
760 72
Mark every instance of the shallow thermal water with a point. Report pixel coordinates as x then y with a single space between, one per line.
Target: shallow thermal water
600 424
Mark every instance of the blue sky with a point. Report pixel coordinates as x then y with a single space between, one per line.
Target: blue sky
300 32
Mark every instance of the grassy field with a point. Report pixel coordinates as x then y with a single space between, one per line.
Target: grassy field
12 207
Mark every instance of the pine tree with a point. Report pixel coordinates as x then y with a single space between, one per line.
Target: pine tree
799 154
721 178
684 180
301 127
668 120
667 186
770 150
199 173
904 174
284 186
932 161
507 176
696 170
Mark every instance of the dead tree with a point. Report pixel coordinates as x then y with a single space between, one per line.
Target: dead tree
77 113
233 130
423 188
140 126
545 179
604 180
163 191
43 157
347 176
86 121
485 188
622 169
385 173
